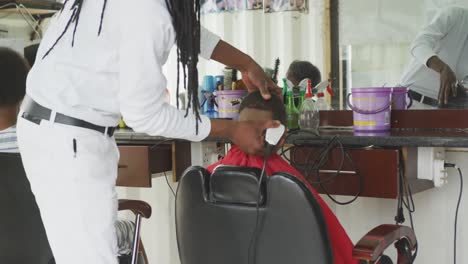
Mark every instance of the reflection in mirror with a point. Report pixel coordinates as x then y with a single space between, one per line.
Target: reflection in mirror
420 44
287 35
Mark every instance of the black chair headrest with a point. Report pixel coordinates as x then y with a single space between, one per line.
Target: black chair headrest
236 185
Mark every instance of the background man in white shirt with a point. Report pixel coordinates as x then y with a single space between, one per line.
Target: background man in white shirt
100 59
13 72
440 59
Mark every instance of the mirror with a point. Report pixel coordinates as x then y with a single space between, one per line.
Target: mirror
361 43
388 43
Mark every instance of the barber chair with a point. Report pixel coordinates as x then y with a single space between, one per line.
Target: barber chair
23 239
216 222
22 235
140 209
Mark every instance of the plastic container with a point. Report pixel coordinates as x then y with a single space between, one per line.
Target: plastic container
209 84
229 102
309 117
321 103
219 79
371 108
227 72
292 114
399 98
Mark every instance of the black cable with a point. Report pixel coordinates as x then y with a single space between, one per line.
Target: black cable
165 176
456 217
255 233
451 165
169 185
356 196
312 167
152 147
405 200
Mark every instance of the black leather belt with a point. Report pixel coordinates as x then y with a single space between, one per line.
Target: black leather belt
35 112
423 99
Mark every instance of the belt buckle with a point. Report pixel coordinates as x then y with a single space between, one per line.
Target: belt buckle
422 99
109 131
31 118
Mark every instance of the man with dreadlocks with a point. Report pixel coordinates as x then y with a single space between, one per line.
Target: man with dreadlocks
100 59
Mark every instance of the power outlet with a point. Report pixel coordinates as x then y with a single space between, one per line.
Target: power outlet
431 165
206 153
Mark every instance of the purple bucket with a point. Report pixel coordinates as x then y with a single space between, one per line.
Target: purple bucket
371 108
399 98
229 102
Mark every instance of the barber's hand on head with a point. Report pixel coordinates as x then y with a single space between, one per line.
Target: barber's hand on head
255 79
250 135
448 85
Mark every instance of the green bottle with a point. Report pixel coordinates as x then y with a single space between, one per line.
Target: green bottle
292 114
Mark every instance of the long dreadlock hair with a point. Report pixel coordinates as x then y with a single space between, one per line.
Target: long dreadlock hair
186 21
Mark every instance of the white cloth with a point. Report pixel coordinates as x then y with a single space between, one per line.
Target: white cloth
420 106
446 37
74 191
119 72
8 140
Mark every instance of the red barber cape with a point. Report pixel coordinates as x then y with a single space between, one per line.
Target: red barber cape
341 243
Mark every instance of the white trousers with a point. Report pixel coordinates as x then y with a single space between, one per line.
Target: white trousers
75 191
420 106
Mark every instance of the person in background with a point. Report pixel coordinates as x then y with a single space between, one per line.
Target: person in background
300 70
254 107
439 60
13 72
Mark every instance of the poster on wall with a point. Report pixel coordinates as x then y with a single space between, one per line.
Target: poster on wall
216 6
254 4
284 5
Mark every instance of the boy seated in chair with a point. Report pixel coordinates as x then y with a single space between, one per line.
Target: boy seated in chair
13 72
254 107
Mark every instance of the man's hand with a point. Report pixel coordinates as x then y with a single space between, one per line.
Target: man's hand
448 85
448 79
253 75
255 79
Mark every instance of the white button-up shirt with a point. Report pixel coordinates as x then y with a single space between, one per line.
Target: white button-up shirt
446 37
118 72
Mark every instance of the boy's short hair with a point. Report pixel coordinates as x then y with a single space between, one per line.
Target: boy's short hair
254 100
13 72
299 70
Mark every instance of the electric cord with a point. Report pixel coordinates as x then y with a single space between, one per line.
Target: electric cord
252 248
152 147
451 165
169 185
311 165
356 196
405 200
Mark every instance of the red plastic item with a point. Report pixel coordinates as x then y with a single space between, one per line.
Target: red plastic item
309 89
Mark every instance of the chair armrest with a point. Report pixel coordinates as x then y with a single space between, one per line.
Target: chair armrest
374 243
137 207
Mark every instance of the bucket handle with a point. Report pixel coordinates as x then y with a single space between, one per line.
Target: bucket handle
411 100
366 112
